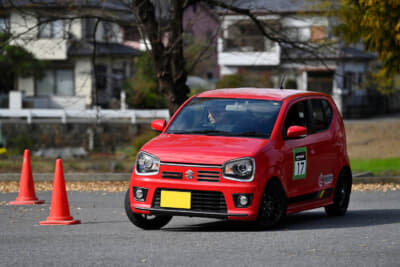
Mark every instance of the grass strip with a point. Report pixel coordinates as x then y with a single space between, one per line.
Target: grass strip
389 166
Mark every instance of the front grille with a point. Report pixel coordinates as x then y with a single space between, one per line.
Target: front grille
172 175
205 201
208 176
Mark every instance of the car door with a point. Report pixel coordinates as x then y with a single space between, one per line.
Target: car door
323 146
296 152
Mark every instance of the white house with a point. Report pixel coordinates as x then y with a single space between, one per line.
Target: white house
338 70
67 45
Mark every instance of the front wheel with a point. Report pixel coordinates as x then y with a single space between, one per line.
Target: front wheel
273 205
144 221
341 198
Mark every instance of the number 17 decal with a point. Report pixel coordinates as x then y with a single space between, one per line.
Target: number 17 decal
300 163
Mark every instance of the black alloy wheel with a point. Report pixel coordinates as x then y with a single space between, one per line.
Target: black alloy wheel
341 198
273 205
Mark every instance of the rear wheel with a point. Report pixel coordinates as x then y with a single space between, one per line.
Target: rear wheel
145 221
273 205
341 198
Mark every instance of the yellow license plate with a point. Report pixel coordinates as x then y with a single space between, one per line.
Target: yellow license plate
175 199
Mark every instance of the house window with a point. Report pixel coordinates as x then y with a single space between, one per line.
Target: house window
89 28
104 30
320 81
293 34
101 77
118 77
297 34
4 24
59 82
131 34
348 80
318 33
245 36
51 28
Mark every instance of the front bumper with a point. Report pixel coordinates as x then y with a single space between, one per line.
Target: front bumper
176 212
203 191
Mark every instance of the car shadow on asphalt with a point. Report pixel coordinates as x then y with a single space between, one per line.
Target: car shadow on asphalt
104 222
301 221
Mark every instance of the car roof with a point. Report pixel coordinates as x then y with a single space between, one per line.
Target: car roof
258 93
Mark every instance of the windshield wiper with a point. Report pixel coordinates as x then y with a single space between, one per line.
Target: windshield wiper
211 132
253 134
223 133
206 132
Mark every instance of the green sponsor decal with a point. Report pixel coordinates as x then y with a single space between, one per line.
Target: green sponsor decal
299 163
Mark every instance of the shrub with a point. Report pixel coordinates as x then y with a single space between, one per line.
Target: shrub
20 142
142 139
246 79
142 90
290 84
231 81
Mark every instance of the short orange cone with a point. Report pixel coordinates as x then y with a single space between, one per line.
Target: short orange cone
26 195
59 209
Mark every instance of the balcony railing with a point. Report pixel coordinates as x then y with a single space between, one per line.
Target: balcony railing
253 51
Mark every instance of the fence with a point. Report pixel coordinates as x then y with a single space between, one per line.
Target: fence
132 116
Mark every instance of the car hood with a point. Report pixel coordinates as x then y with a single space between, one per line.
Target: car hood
202 149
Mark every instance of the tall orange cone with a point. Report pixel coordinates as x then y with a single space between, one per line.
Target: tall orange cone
26 195
59 209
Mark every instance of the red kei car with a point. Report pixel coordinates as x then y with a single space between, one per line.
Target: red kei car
243 154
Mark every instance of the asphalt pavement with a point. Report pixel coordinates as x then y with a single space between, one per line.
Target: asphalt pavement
369 235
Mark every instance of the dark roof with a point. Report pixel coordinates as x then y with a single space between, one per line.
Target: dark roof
275 6
82 48
349 53
105 4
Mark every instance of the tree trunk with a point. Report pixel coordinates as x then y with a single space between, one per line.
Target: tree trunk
175 92
168 59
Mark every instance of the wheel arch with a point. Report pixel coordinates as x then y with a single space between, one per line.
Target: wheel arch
276 179
274 173
345 170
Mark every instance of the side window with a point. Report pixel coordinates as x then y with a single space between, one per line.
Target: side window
296 116
321 115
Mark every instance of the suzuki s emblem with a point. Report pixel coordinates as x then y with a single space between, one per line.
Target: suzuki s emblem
189 174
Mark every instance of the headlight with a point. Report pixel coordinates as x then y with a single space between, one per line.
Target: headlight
239 169
147 164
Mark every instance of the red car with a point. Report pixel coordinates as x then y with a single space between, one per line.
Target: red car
243 154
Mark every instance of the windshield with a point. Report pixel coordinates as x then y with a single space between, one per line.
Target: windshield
226 117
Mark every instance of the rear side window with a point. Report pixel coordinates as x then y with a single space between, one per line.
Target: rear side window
321 115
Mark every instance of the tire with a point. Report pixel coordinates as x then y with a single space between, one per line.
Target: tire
341 198
273 205
144 221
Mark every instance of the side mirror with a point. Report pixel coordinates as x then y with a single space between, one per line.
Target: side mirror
296 131
158 125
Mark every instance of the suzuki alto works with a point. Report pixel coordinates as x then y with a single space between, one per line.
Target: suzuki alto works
243 154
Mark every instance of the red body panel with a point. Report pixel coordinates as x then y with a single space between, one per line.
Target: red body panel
202 149
325 151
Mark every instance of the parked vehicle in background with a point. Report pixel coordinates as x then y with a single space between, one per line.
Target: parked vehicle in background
243 154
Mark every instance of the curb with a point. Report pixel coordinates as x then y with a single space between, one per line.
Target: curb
376 180
70 177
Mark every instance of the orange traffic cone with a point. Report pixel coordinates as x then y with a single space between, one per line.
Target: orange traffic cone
59 210
26 195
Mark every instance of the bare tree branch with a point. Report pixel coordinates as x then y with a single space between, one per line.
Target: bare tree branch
204 50
272 34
